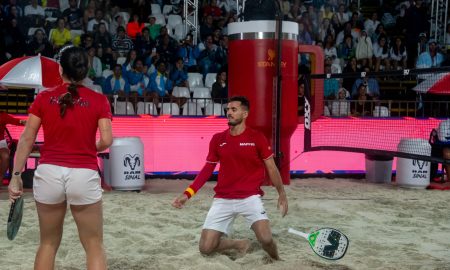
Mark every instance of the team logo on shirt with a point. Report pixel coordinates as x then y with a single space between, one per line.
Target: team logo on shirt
222 144
247 144
76 101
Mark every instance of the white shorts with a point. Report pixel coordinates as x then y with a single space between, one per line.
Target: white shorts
54 184
3 144
223 212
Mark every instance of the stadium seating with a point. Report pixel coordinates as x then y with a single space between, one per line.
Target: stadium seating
174 20
181 92
195 80
167 9
124 108
179 32
210 79
214 109
202 95
192 108
156 9
170 108
160 19
381 111
146 108
125 15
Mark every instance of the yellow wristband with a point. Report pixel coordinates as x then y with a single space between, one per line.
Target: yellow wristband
190 192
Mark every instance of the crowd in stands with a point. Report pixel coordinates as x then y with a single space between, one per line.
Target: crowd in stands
138 49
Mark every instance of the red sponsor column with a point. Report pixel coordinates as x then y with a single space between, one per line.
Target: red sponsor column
252 73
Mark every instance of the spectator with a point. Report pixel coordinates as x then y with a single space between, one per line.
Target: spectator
371 24
361 106
295 13
341 106
222 52
189 53
34 9
346 50
40 45
329 49
153 27
89 12
167 51
73 16
87 40
416 22
144 43
102 38
93 23
342 15
337 25
135 26
370 85
14 40
381 54
121 44
116 84
301 98
106 57
219 90
304 37
350 67
326 29
207 28
138 80
331 85
12 3
398 54
94 67
432 58
212 10
207 59
160 85
379 31
364 50
327 12
60 36
116 22
129 62
179 75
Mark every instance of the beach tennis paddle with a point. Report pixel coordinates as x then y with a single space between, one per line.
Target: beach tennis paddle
328 243
14 218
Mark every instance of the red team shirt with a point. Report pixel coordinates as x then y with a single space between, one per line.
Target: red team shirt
4 120
241 158
70 141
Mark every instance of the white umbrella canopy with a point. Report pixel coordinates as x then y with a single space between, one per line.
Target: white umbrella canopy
30 72
438 84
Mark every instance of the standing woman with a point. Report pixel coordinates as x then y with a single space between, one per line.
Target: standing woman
67 171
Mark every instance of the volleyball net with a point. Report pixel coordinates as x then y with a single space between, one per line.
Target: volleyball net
397 119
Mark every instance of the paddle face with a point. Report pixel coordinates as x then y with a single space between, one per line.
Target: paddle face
328 243
14 218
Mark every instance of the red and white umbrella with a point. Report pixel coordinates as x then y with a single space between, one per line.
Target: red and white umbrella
438 84
30 72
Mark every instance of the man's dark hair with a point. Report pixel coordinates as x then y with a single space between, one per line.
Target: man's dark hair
243 100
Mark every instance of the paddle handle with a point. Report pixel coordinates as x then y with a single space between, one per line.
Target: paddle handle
299 233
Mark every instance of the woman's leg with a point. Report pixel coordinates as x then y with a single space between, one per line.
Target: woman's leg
51 220
89 220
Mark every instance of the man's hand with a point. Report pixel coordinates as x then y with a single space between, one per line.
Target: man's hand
180 201
15 187
282 204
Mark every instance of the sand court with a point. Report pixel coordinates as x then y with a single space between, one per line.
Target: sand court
388 227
